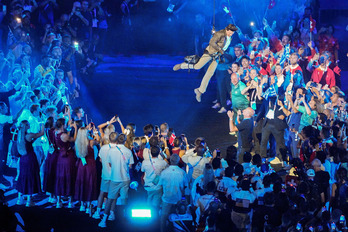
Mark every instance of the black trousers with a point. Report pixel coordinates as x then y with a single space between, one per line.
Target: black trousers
223 80
278 134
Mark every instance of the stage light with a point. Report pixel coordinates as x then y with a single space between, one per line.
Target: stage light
19 20
76 46
170 8
141 213
252 24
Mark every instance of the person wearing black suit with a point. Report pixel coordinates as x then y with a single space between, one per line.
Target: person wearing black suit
274 123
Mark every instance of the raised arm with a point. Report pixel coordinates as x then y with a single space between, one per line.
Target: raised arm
66 138
101 126
233 127
34 136
121 125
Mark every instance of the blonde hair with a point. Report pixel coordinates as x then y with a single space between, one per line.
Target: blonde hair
81 143
108 130
21 138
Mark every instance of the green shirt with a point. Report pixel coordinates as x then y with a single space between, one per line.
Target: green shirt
306 120
239 101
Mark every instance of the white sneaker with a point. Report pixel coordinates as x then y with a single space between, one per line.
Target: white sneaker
111 217
70 205
82 208
222 110
102 224
216 106
198 95
59 205
88 210
96 215
228 102
20 201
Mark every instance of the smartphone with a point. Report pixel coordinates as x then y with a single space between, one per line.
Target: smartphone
218 153
333 226
298 226
116 116
323 209
76 46
342 219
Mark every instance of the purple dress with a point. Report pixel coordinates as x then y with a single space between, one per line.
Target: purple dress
29 174
86 180
66 170
49 182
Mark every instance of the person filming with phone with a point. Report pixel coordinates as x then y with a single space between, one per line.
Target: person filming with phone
245 128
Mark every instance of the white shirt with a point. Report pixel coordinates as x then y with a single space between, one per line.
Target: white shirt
5 119
103 154
261 192
203 202
197 162
151 171
120 158
243 195
147 153
34 126
228 42
173 179
227 183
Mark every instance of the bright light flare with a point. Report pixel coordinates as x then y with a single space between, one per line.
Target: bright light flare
141 213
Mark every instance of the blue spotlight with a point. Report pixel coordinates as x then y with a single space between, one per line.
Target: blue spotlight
141 213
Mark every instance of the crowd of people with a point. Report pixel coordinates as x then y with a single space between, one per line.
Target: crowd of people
287 172
288 113
43 57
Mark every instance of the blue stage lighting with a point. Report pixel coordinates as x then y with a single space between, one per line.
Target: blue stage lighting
141 213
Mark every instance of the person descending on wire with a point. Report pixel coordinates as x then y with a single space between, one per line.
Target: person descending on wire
218 44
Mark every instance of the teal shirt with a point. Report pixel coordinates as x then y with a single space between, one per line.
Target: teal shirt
239 101
306 120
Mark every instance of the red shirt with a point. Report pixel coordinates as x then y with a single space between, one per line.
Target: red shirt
293 70
318 74
276 44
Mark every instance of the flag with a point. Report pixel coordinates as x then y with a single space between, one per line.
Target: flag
171 139
271 4
285 55
312 23
227 10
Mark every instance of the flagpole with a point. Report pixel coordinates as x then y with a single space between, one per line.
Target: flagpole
264 16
